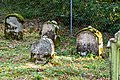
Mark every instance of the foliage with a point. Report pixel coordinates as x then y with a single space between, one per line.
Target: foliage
15 55
15 62
102 14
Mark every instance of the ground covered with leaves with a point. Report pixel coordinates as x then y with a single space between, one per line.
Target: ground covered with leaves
15 62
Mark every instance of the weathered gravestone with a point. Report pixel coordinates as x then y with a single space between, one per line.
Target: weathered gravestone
42 50
114 55
14 26
50 29
89 40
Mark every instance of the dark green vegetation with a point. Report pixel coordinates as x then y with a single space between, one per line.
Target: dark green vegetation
101 14
15 62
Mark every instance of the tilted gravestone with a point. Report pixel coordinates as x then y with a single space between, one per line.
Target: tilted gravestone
89 40
114 55
42 50
50 29
14 26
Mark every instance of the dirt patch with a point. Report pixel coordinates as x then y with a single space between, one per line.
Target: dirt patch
3 59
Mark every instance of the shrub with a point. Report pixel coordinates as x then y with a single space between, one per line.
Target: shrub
102 14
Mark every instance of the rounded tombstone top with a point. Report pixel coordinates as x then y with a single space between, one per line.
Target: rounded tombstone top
52 22
89 26
91 29
18 16
45 36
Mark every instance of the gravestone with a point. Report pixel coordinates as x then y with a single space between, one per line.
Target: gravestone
42 50
89 40
14 26
50 29
114 56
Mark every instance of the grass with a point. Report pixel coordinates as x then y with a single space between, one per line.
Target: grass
15 62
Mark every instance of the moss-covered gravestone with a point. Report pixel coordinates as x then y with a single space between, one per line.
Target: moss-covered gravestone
89 40
14 26
50 29
42 50
114 54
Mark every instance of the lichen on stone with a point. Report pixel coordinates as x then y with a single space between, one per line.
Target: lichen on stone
50 29
20 17
42 50
97 34
14 26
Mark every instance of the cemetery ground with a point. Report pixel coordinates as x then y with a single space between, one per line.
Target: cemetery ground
15 61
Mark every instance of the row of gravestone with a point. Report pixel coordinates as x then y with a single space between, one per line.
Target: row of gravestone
89 40
43 50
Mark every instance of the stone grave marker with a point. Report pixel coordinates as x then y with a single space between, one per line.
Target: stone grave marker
14 26
50 29
42 50
114 56
89 40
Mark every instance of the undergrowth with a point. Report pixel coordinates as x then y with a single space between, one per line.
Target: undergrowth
15 62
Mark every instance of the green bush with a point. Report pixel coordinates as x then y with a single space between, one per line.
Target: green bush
102 14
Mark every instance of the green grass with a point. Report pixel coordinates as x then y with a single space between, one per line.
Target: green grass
15 62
